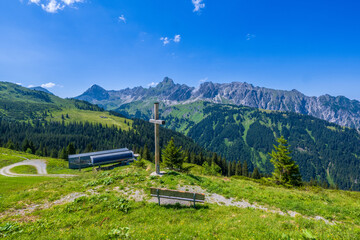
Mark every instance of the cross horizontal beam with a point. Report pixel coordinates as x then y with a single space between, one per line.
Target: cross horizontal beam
159 122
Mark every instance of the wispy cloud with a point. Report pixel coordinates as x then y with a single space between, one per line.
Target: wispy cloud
153 84
198 5
37 2
53 6
122 18
250 36
30 86
177 38
18 83
203 80
70 2
166 40
48 85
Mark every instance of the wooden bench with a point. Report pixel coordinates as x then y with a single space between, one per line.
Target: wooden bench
178 195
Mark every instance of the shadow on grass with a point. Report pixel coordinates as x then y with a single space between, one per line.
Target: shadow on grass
178 206
197 178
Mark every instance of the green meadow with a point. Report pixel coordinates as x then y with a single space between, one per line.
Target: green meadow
108 209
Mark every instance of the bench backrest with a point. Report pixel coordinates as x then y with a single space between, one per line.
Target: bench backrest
176 193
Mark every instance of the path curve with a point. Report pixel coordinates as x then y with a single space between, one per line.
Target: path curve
40 166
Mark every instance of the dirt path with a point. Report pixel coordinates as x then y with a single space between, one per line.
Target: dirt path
39 164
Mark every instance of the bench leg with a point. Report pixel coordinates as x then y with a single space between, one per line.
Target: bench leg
157 192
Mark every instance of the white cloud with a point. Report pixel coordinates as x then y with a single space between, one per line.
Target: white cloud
153 84
198 5
203 80
250 36
30 86
122 18
70 2
18 83
35 1
48 85
52 7
177 38
165 40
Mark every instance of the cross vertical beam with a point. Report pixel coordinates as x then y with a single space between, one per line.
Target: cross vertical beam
157 122
157 147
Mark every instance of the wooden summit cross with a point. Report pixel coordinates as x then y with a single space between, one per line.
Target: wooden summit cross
157 122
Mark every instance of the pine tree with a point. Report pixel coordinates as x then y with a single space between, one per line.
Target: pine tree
245 170
63 154
286 170
10 145
256 173
25 145
146 153
172 156
89 148
238 169
229 169
70 149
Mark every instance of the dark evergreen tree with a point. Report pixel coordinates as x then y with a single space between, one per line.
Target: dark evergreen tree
172 156
63 154
245 170
89 148
256 173
70 149
146 153
286 170
10 145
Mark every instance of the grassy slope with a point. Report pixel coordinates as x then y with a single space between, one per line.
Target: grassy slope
76 115
97 216
24 169
54 166
20 103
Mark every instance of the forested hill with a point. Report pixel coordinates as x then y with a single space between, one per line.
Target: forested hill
41 123
324 151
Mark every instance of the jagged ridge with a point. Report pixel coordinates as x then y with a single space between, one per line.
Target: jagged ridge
340 110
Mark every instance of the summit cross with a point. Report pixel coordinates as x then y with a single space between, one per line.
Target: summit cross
156 121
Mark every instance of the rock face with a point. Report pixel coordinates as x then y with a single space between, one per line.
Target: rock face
340 110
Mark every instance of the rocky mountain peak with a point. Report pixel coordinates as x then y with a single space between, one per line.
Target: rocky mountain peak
166 83
95 92
340 110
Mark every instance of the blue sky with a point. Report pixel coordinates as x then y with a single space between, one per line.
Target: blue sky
68 45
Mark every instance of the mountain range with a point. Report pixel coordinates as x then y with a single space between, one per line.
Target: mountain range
339 110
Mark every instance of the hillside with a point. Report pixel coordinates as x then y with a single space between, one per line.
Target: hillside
23 104
324 151
116 204
339 110
41 89
45 124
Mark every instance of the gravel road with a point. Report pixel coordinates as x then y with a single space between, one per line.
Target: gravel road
39 164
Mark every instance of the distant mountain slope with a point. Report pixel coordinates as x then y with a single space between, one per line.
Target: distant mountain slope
324 151
50 123
20 103
339 110
41 89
